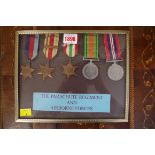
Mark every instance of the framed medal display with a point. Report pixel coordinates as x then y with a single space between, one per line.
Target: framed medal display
72 76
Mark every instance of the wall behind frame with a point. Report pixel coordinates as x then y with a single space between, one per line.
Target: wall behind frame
140 39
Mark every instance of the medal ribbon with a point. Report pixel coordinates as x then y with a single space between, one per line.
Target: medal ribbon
71 50
51 45
112 47
91 46
31 46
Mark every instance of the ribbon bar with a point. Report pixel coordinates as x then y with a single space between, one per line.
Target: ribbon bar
71 50
51 45
31 46
112 47
91 46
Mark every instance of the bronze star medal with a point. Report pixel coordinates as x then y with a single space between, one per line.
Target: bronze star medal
50 51
46 71
31 52
26 71
69 70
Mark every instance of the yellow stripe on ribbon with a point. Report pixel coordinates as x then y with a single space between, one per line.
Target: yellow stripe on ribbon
56 41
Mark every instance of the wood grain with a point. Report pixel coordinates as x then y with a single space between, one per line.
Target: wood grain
140 38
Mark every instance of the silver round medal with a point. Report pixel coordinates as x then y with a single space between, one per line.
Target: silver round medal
90 71
115 72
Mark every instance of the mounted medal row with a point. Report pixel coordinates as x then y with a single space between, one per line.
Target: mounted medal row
93 47
70 76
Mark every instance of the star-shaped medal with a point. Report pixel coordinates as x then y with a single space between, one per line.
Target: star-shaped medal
46 71
69 70
26 71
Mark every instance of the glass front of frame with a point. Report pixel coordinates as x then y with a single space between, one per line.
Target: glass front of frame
72 76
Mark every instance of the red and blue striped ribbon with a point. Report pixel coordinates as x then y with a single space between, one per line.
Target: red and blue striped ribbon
31 46
112 47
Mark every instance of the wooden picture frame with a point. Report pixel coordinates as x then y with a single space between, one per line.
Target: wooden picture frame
61 117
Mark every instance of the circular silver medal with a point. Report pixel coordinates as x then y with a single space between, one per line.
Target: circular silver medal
115 72
90 71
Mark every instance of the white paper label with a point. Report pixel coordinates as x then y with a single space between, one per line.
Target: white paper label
70 39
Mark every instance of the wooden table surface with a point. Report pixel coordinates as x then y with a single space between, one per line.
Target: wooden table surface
142 102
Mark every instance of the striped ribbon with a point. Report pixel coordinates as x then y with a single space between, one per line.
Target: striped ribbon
112 47
31 46
71 50
51 45
91 46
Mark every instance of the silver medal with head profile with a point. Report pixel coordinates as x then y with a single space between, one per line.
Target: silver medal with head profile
115 72
90 71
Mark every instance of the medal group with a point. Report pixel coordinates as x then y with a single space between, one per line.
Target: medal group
91 53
